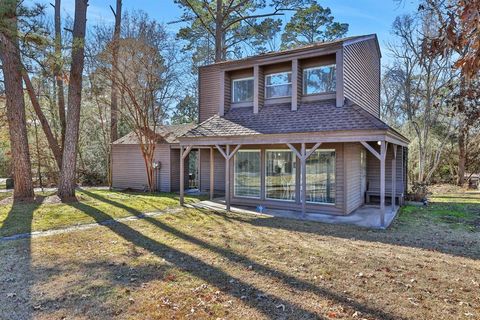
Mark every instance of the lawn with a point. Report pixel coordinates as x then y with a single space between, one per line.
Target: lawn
212 265
38 216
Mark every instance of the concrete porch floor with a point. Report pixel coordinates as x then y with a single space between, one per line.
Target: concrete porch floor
366 216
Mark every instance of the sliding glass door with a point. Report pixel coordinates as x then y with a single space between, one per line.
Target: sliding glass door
280 167
247 174
321 177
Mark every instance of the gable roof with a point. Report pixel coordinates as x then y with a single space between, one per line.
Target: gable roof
317 45
319 116
166 133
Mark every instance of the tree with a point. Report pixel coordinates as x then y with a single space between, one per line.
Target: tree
186 110
66 187
312 24
421 82
147 80
227 24
458 31
15 104
58 72
114 99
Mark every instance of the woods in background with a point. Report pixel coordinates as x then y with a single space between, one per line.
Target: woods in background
69 90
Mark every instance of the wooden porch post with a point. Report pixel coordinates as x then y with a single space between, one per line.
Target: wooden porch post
212 182
183 155
182 177
394 176
383 151
303 173
228 156
227 178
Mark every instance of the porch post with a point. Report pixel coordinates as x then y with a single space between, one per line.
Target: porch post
383 150
394 176
227 178
212 182
303 162
182 177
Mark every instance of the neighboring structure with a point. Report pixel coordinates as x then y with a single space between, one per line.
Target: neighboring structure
297 129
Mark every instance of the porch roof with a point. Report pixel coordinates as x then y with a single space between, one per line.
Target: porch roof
165 133
278 119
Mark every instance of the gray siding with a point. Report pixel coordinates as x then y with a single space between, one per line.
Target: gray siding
219 169
175 170
209 89
361 72
373 170
354 197
128 169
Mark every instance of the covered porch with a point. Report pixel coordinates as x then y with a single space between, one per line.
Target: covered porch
345 202
368 216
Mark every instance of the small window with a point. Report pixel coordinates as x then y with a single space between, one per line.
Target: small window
319 80
278 85
242 90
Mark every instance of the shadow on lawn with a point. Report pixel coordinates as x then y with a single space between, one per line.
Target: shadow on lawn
219 278
18 304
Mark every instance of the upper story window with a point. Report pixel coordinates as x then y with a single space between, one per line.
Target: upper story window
242 90
278 85
319 80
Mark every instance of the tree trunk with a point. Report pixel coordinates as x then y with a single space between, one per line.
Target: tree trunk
462 155
15 103
52 142
114 98
219 32
114 93
66 188
58 71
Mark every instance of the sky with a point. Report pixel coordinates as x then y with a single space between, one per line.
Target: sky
363 16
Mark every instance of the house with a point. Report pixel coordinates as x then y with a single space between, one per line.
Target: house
297 129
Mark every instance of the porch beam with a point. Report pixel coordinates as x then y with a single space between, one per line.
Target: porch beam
186 152
300 156
212 168
373 151
311 151
234 151
221 151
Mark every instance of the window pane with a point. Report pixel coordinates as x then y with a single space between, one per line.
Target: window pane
279 91
278 85
279 78
319 80
321 177
247 174
242 90
280 174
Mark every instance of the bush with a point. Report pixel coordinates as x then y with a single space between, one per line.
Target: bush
419 192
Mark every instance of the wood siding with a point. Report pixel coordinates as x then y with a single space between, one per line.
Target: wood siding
373 170
219 168
175 170
209 91
354 197
128 170
361 73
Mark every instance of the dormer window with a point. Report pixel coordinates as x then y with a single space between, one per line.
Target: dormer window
278 85
242 90
318 80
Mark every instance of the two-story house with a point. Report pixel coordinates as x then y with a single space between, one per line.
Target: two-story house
297 129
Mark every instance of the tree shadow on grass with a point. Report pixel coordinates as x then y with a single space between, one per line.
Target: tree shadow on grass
18 276
263 270
208 273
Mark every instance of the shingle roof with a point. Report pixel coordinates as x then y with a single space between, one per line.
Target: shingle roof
278 118
167 133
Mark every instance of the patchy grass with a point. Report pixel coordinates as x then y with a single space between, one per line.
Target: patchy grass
457 210
212 265
26 217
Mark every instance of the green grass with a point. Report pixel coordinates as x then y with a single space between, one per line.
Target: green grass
26 217
455 210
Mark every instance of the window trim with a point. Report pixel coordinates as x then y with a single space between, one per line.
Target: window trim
233 89
316 68
294 200
335 174
259 174
276 85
